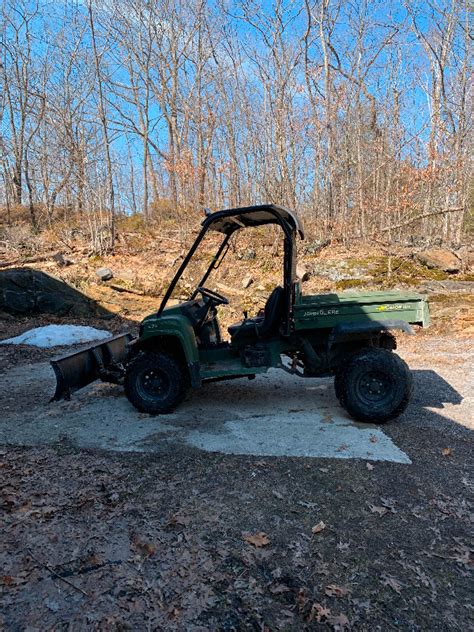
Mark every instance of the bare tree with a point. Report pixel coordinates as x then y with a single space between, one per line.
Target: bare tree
165 107
104 123
18 87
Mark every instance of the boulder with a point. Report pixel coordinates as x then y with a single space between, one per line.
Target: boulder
24 291
440 259
302 273
247 282
16 300
249 255
105 274
61 260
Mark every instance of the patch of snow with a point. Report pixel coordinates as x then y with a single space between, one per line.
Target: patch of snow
57 335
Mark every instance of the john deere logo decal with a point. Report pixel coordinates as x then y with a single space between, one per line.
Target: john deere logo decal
322 312
392 308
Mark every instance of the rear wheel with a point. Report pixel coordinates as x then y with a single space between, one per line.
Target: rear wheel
155 382
374 386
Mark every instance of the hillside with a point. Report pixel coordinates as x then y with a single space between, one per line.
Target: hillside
146 258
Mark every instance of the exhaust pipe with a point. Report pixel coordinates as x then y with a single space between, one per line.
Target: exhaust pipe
103 361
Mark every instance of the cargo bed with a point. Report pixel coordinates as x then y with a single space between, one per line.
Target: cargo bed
328 310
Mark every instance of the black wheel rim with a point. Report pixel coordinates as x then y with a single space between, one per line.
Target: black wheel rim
373 387
153 384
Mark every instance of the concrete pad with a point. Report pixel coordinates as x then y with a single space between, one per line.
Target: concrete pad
304 434
274 415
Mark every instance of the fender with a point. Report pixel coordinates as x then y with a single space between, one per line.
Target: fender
345 331
175 326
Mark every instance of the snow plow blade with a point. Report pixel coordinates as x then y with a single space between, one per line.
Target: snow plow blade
103 361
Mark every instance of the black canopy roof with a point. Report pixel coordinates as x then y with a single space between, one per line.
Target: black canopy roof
233 219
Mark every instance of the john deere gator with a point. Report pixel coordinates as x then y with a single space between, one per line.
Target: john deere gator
350 336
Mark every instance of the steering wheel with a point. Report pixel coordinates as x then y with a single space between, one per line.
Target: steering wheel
214 297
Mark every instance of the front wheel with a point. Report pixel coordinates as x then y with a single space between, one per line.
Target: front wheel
155 382
374 386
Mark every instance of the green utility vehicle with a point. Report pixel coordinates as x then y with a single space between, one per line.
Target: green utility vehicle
180 347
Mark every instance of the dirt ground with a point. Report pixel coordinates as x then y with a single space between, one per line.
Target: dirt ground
175 537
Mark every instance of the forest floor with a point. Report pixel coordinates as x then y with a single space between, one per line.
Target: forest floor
154 530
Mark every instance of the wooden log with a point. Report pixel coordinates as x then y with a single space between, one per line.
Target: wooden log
22 261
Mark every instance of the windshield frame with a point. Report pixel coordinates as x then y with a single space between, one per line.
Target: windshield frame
185 263
277 214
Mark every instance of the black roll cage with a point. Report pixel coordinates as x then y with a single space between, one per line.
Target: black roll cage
228 222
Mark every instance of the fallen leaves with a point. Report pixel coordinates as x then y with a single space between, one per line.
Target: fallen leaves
258 540
333 590
7 580
278 589
145 548
392 582
179 519
339 622
463 555
199 541
387 505
322 614
307 504
286 617
343 546
447 451
381 511
318 527
319 612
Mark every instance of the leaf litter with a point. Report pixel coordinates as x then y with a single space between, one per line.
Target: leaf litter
169 541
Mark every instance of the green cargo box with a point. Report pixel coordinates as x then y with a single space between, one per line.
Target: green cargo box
328 310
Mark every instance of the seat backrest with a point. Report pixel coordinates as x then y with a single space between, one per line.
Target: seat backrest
272 311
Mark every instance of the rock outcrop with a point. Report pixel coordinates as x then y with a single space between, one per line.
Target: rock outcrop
24 291
440 259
